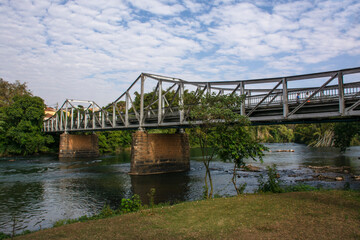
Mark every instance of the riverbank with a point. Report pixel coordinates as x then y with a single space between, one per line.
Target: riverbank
297 215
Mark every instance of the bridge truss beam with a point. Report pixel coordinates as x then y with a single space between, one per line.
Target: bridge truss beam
270 100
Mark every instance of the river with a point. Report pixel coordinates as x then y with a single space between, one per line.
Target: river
37 191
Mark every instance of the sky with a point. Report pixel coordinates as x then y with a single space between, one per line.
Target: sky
93 50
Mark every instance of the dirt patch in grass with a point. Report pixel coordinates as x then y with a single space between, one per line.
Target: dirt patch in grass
301 215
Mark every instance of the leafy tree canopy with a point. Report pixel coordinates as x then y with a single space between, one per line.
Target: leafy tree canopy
22 131
114 141
9 90
344 133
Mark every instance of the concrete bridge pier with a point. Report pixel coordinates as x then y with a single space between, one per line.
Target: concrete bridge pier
78 146
155 153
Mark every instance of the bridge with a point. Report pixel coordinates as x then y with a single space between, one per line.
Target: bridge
154 101
267 101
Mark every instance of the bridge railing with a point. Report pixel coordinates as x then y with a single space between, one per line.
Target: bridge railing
158 105
351 90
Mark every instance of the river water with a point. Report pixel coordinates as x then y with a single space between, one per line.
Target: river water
37 191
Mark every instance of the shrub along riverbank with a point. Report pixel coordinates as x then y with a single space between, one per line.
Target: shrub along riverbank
295 215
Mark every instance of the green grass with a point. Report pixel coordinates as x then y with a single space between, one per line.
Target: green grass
295 215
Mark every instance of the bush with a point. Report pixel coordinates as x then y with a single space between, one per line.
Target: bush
151 196
241 188
130 205
106 212
60 222
272 184
4 236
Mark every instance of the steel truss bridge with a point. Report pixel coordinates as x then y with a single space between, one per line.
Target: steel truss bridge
152 101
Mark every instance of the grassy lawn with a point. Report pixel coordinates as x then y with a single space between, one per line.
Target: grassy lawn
296 215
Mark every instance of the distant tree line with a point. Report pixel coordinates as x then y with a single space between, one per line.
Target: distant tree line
340 135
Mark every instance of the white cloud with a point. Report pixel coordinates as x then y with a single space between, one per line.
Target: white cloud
95 49
158 7
293 10
295 29
193 6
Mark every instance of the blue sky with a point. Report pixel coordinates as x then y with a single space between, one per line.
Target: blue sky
93 50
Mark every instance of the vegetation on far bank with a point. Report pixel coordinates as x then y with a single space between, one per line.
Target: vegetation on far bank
340 135
295 215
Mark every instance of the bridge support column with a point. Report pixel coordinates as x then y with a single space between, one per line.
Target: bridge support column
159 153
78 146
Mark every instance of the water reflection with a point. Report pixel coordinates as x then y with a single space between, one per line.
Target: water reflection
15 200
172 187
71 163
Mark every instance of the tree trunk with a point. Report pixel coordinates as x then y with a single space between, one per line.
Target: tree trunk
211 184
234 180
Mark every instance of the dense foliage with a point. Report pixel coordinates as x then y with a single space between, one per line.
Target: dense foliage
340 135
317 135
274 133
345 133
132 204
4 236
9 90
21 122
114 141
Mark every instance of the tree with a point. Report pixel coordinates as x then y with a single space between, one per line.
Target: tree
344 133
274 133
235 143
220 132
24 119
339 135
172 99
306 133
114 141
2 123
315 135
9 90
2 132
